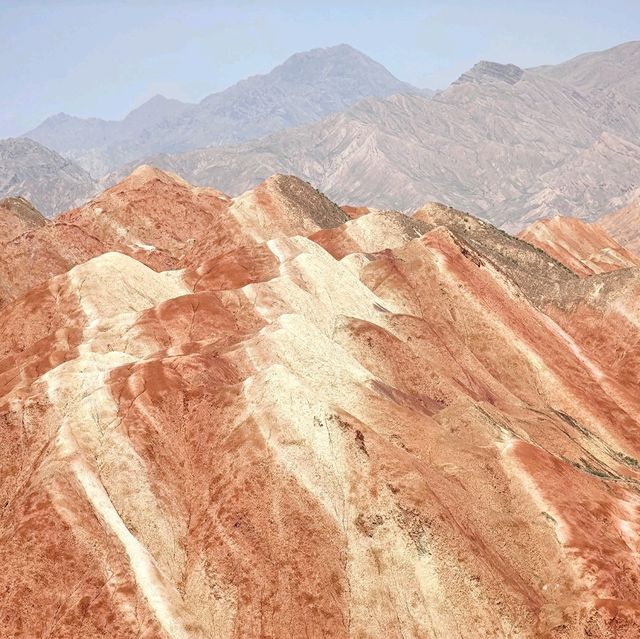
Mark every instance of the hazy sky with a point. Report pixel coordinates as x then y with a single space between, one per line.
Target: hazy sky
103 57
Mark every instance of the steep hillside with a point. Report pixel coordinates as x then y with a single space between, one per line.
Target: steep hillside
613 69
17 216
584 248
322 426
51 182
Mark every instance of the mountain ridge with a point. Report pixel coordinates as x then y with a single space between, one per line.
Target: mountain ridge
49 181
304 88
508 144
614 68
512 145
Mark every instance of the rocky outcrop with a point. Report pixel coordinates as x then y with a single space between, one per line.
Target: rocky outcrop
485 71
329 427
17 216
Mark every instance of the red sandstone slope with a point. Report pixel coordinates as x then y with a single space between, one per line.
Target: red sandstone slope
391 428
17 216
624 225
164 223
582 247
355 211
151 215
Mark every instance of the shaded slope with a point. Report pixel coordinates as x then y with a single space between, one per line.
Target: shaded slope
537 273
17 216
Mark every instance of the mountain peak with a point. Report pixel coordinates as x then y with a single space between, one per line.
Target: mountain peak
144 173
147 171
299 203
59 117
154 110
157 101
305 88
339 63
157 98
338 51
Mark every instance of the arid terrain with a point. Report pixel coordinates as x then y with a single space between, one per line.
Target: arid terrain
270 416
582 247
509 144
624 224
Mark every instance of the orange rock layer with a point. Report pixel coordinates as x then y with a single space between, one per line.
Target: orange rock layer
584 248
624 224
304 425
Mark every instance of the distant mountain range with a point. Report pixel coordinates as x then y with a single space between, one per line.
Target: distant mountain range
512 145
616 69
305 88
509 144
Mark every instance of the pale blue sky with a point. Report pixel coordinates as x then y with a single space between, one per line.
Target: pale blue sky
103 57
